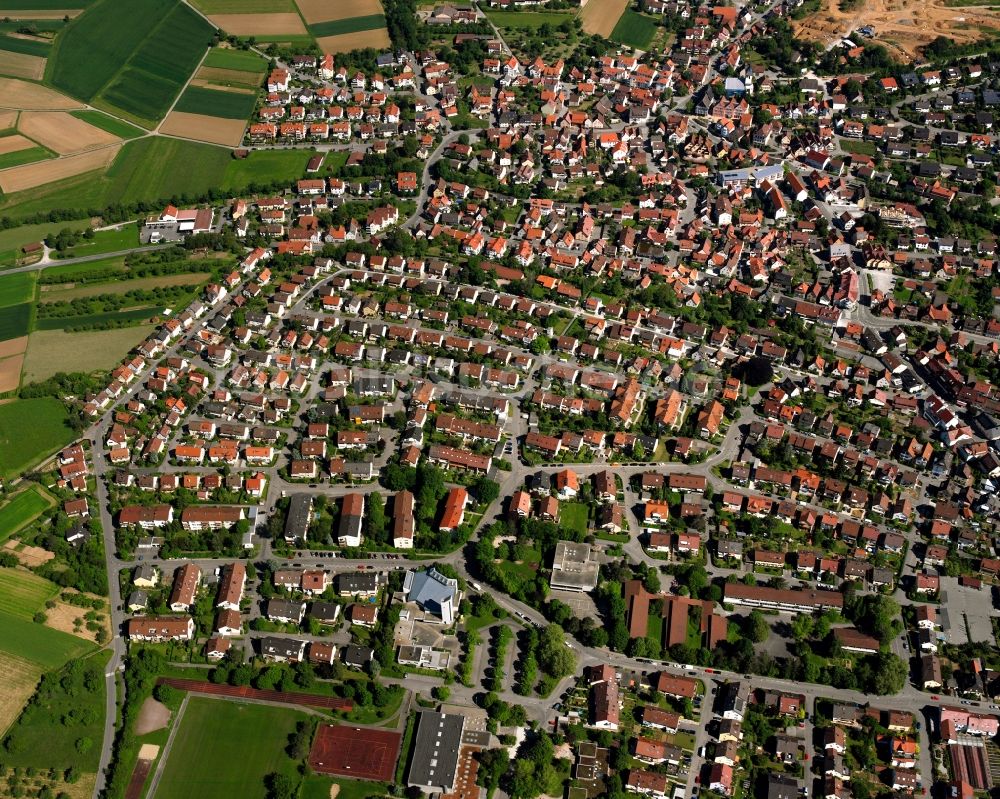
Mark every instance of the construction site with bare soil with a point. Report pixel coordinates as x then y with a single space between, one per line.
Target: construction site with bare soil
903 26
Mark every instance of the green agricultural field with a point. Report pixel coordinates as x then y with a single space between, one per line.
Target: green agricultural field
42 5
40 25
26 156
14 238
103 269
336 27
26 46
113 126
53 351
22 509
266 166
15 321
63 726
40 644
96 44
158 168
135 62
634 29
242 60
31 429
15 289
226 749
24 593
215 103
527 19
104 241
90 321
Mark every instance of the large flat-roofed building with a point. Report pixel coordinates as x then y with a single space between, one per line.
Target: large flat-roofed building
434 765
299 516
782 600
574 567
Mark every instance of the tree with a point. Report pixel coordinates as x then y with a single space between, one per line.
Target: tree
486 490
757 371
376 517
554 656
757 628
280 786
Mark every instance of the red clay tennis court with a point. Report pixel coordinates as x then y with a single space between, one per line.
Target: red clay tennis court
355 752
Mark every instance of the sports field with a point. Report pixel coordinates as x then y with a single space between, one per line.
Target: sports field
23 508
226 748
31 429
634 29
358 752
24 593
53 351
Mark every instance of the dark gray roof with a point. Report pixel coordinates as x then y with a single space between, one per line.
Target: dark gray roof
299 514
435 752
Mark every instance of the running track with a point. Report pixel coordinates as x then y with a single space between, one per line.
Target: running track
245 692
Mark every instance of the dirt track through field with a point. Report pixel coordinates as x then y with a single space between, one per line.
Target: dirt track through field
601 16
63 132
345 42
30 176
214 130
21 95
260 24
21 65
325 10
903 25
11 144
